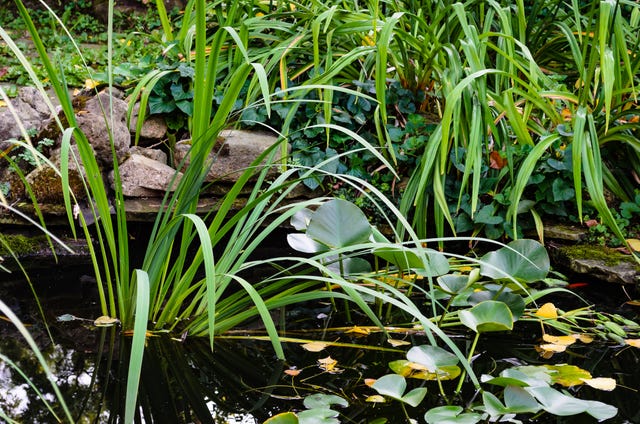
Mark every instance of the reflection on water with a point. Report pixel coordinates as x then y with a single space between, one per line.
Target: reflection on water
243 382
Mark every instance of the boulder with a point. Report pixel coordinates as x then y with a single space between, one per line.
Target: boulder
145 177
91 120
234 152
154 128
155 154
30 106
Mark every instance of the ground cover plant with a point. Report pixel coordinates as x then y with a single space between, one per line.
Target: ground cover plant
484 108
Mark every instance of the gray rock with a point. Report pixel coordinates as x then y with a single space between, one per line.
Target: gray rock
30 106
153 129
144 177
597 263
234 152
564 232
91 120
155 154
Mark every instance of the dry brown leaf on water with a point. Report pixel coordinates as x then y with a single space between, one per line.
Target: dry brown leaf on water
548 310
396 342
314 346
601 383
633 342
292 372
328 364
105 321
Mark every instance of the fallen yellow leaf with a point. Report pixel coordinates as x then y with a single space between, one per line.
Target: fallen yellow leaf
376 399
314 346
600 383
90 84
556 348
3 103
548 310
369 381
634 244
584 338
328 364
559 340
633 342
396 342
359 330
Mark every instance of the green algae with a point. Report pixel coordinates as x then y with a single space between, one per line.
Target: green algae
606 255
20 245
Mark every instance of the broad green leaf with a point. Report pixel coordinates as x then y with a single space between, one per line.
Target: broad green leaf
300 220
519 401
525 260
305 244
451 415
487 316
350 266
415 396
318 416
407 259
432 357
339 223
391 385
561 404
321 400
513 301
567 375
452 283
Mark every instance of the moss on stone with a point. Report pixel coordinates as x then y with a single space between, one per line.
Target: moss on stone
20 244
609 257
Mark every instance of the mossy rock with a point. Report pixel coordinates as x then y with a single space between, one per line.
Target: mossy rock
598 262
21 245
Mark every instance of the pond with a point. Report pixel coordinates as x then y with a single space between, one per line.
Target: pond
241 380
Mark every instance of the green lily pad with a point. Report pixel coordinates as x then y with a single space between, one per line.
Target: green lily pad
407 259
339 223
394 386
451 415
321 400
432 357
487 316
525 260
410 369
284 418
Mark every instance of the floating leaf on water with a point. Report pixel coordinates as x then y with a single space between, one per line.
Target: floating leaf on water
284 418
292 372
376 399
450 415
584 338
568 375
363 331
487 316
396 342
314 346
559 340
105 321
369 381
414 370
548 310
555 348
525 260
65 317
601 383
328 364
633 342
321 400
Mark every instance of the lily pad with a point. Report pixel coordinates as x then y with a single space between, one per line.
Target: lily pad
394 386
525 260
407 259
339 223
451 415
487 316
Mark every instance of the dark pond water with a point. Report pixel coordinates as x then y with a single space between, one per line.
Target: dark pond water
241 381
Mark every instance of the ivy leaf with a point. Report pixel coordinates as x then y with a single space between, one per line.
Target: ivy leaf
562 190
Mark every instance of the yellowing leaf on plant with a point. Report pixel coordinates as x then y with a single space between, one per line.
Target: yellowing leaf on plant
548 310
601 383
362 331
634 244
568 375
633 342
105 321
314 346
396 342
559 340
328 364
375 399
292 372
584 338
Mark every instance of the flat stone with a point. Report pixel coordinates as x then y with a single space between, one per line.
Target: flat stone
564 232
597 263
144 177
154 127
155 154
